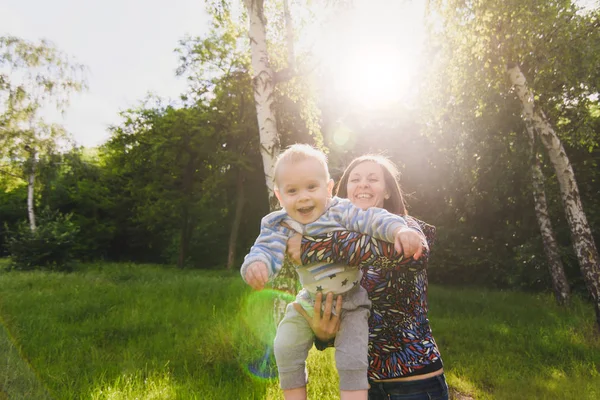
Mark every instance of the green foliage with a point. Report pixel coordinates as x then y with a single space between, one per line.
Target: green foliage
31 76
12 211
48 73
49 247
172 171
487 227
76 183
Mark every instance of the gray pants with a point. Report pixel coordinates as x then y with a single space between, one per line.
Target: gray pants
295 338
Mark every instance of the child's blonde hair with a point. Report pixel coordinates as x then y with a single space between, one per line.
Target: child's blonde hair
300 152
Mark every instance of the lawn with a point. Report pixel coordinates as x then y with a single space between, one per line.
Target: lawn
124 331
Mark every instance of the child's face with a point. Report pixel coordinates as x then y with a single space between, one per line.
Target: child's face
303 190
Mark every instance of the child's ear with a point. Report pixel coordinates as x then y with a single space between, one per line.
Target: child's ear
278 195
330 187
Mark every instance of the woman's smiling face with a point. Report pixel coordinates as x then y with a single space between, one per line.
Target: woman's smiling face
366 185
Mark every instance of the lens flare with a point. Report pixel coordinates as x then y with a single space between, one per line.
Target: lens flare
256 348
257 313
342 136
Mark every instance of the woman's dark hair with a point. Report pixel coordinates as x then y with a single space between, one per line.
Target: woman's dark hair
395 204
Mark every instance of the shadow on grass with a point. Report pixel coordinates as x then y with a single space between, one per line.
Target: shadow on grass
17 380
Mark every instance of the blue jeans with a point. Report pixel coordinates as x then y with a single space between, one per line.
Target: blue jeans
434 388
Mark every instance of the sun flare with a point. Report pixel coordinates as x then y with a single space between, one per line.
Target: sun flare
374 75
373 50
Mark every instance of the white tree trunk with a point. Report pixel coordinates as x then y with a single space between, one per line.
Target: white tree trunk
30 192
581 234
560 283
264 82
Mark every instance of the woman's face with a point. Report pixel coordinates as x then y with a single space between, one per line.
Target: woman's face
366 185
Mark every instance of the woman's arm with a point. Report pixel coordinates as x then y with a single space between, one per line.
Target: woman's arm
352 248
306 250
355 249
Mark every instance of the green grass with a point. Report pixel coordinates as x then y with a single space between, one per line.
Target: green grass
507 345
121 331
17 379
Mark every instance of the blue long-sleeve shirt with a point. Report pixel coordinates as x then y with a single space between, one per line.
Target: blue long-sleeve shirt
340 214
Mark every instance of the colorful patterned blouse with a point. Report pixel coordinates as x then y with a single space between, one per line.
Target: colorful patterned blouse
400 340
270 246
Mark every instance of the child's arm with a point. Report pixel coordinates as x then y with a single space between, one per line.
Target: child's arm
265 258
383 225
375 222
380 224
409 243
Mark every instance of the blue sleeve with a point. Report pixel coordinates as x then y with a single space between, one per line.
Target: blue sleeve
269 247
375 222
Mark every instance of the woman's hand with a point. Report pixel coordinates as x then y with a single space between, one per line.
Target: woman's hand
327 325
293 248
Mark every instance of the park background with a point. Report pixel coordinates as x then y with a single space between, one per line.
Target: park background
119 275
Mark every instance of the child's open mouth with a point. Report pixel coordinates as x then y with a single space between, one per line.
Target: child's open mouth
305 210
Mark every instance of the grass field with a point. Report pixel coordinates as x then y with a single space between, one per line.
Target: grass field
120 331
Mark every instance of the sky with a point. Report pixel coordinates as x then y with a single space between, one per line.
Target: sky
127 46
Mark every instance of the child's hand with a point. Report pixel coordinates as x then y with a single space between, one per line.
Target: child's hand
257 275
409 243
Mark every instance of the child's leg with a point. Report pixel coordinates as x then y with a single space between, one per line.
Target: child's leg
351 346
295 394
293 341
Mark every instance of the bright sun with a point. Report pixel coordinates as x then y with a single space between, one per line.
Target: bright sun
373 49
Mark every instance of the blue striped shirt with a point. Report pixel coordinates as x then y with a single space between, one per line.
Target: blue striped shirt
340 214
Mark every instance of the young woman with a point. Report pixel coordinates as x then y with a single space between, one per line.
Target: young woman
404 360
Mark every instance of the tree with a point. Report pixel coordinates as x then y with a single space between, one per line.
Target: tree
484 37
263 81
77 183
216 67
560 283
171 164
32 76
583 241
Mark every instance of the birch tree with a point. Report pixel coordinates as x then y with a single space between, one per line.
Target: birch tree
264 79
560 284
208 72
33 75
583 241
558 46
